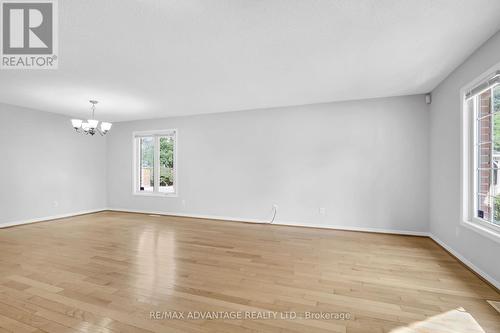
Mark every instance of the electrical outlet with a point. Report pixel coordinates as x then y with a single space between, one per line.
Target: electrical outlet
55 203
275 206
322 211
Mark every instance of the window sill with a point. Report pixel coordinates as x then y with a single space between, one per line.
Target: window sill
483 230
160 195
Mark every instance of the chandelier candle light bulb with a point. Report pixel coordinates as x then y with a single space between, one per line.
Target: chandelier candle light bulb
91 126
77 123
93 123
105 127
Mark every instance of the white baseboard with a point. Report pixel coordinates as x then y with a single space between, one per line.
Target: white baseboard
334 227
495 305
466 262
353 228
487 277
49 218
196 216
284 223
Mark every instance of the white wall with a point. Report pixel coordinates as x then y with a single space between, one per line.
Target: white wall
46 169
366 162
445 173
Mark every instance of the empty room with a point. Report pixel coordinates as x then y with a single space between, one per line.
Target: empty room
250 166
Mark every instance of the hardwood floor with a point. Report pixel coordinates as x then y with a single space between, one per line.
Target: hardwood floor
107 272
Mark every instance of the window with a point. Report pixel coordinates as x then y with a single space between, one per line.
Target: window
155 163
482 116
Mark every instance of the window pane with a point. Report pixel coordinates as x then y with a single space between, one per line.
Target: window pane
484 132
484 204
485 108
496 211
146 166
496 121
484 181
496 156
484 155
489 207
167 181
484 103
496 98
494 198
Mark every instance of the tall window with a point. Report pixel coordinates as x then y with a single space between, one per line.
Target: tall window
155 162
483 106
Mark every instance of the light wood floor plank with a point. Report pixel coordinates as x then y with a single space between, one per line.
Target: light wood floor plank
107 272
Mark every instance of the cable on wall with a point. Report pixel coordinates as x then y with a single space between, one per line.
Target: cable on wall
275 208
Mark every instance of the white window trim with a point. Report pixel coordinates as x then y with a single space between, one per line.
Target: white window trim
135 157
467 165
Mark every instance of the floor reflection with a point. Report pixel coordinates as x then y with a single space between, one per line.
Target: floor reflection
156 261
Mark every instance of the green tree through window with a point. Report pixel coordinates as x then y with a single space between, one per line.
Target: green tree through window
166 161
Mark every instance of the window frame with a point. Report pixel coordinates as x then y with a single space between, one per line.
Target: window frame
469 163
156 134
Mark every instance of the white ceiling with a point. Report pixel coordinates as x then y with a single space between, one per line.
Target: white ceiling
160 58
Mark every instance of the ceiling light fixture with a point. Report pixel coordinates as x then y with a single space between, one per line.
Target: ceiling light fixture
91 126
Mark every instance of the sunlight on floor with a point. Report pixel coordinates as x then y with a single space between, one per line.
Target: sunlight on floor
453 321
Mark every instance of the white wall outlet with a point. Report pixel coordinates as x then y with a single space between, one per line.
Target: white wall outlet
322 211
275 206
55 203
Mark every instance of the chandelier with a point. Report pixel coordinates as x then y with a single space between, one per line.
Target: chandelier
91 126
